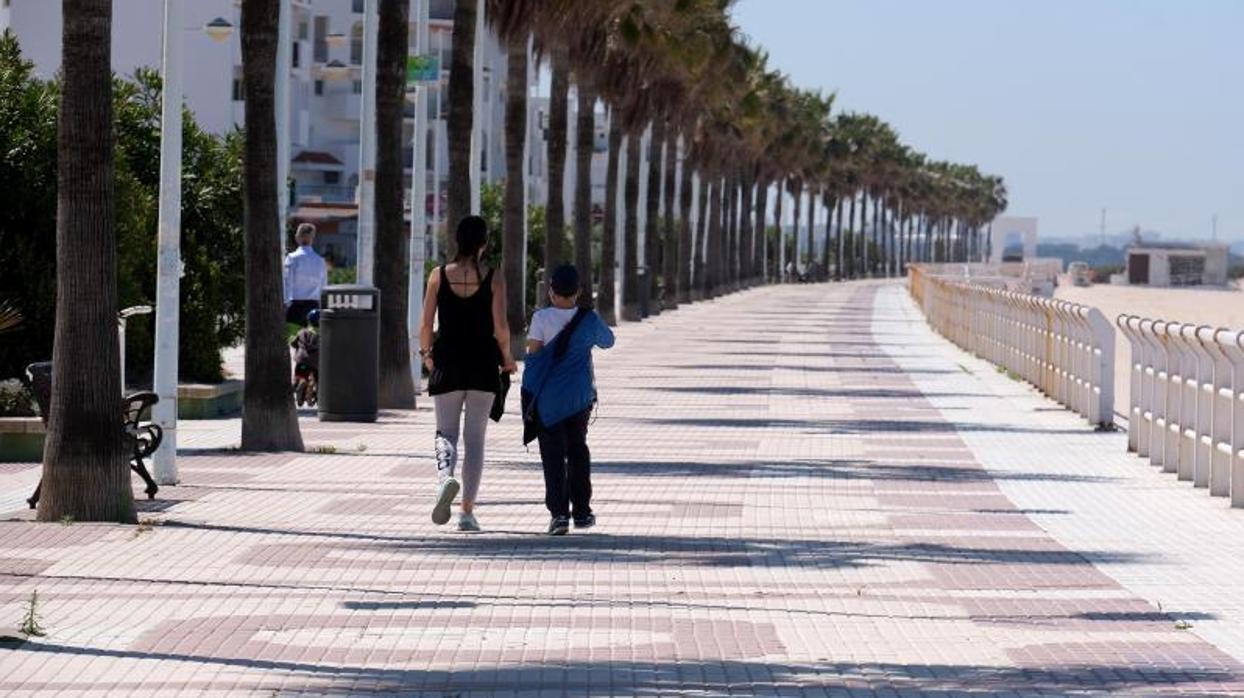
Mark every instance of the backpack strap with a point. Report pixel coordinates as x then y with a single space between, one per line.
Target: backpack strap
563 338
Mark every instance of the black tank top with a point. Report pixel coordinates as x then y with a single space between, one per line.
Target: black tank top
465 355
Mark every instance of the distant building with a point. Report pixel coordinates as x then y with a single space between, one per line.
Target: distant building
1177 264
1012 239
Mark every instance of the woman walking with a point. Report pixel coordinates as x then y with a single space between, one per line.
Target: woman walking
471 350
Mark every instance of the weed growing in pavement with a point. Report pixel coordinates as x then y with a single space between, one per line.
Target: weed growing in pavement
1182 625
66 520
326 449
31 625
965 369
145 526
361 448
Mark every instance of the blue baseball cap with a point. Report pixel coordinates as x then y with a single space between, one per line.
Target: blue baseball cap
565 280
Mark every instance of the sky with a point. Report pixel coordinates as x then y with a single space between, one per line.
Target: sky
1134 106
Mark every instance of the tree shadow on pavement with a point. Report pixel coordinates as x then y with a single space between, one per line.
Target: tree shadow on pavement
593 679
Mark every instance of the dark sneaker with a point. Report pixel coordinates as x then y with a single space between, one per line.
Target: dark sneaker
585 521
559 526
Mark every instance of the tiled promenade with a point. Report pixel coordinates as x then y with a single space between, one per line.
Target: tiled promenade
801 491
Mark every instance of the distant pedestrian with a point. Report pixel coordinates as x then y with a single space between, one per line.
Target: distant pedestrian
465 362
306 275
559 390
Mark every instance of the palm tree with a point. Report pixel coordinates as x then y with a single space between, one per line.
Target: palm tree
630 254
555 207
607 301
669 248
397 387
269 422
84 464
652 221
585 144
461 111
514 225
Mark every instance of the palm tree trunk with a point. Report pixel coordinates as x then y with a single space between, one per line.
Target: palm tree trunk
729 257
796 192
699 285
514 225
630 261
853 259
746 247
827 249
397 387
839 269
84 463
684 231
863 236
712 241
810 246
555 211
758 240
652 221
585 143
461 114
775 260
669 251
607 301
269 422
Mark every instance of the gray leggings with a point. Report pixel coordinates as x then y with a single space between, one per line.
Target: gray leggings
449 418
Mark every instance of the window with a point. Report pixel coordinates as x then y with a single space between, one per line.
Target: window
238 94
358 87
297 54
357 6
319 88
302 30
332 177
321 39
356 44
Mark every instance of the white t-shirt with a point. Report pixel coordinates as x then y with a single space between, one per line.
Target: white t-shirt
547 322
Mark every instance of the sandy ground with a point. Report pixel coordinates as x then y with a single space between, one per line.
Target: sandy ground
1202 306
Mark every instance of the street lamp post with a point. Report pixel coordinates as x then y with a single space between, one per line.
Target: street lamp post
367 149
168 240
168 256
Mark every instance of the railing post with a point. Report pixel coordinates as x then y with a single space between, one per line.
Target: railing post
1126 324
1224 400
1203 441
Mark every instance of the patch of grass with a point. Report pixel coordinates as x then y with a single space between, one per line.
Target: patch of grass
326 449
66 520
32 623
1182 625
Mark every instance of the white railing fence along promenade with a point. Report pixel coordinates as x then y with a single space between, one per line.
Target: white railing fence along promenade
1063 349
1187 402
1186 382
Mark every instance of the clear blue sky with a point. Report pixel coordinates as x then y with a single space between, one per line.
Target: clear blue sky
1136 106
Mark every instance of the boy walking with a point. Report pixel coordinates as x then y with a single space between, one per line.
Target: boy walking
559 390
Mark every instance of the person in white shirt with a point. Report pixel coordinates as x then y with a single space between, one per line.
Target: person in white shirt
306 275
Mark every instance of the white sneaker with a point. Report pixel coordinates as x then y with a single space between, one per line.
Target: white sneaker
468 522
444 500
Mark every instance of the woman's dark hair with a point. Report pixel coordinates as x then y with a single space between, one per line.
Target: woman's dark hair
471 236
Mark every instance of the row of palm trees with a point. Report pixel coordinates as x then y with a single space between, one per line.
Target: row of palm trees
673 71
677 73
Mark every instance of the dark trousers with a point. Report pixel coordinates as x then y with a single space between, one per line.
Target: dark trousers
567 467
297 311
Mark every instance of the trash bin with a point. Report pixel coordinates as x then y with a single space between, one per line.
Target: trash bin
349 353
645 291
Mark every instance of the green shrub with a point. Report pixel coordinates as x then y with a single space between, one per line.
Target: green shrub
16 399
212 289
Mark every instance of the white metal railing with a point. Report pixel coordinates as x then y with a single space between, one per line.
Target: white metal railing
1065 350
1186 411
